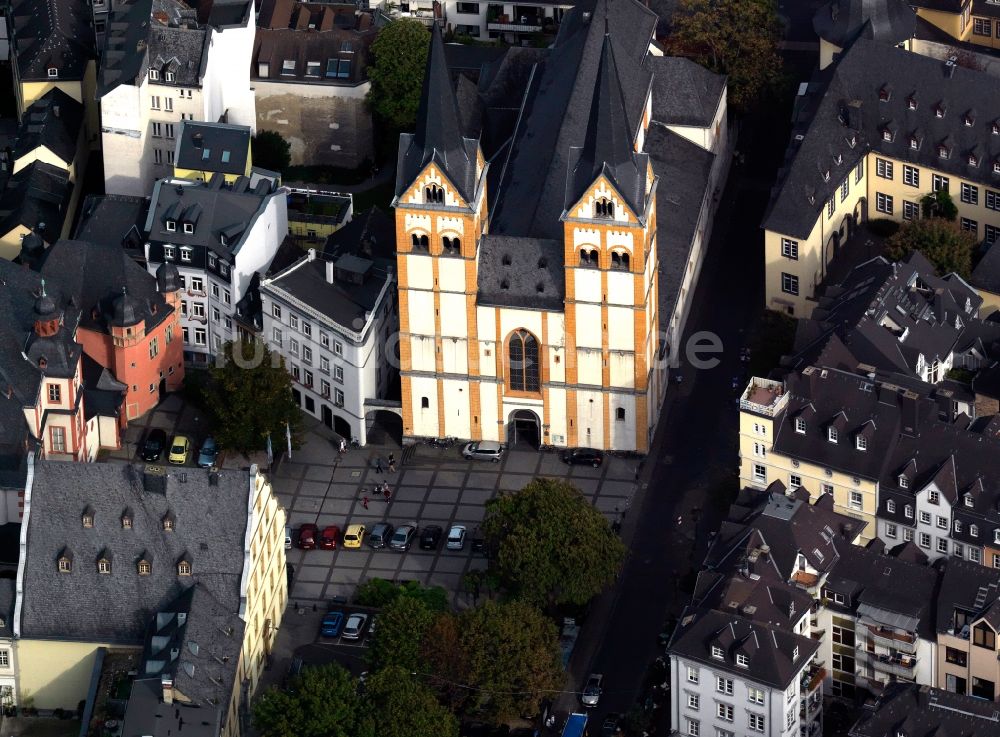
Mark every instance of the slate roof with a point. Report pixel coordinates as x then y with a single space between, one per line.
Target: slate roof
523 273
216 147
116 608
36 197
114 219
103 394
771 650
986 275
470 59
684 93
51 33
847 105
968 588
920 711
54 121
886 21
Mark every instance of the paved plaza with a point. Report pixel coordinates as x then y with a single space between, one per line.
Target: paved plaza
435 486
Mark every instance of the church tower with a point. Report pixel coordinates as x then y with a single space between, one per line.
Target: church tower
440 203
609 224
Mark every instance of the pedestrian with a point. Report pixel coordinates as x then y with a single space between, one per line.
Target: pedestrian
343 446
378 465
385 491
392 463
364 501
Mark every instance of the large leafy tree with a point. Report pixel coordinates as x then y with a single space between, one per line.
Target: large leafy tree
400 634
444 656
396 72
250 395
378 592
551 546
512 659
738 38
942 242
271 151
320 702
400 704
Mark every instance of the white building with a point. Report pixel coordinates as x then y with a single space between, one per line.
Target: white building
218 236
731 676
332 317
161 68
489 21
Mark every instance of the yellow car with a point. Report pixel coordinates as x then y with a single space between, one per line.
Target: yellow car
354 536
179 450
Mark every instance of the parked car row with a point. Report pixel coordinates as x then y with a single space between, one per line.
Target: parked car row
490 450
155 443
347 626
381 535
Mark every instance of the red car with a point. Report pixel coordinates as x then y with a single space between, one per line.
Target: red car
328 540
307 536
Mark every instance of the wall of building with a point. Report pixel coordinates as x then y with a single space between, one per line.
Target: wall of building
325 124
55 674
82 90
226 85
985 61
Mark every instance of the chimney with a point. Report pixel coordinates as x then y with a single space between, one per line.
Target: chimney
854 121
154 479
909 406
329 272
167 682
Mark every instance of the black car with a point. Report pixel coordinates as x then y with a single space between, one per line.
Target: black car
430 537
583 457
153 445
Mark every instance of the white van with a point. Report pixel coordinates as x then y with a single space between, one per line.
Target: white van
288 537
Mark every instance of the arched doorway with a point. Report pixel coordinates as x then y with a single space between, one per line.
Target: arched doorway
524 428
384 428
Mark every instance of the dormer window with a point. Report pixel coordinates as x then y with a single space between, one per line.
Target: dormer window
832 434
88 517
171 227
974 530
995 128
886 134
53 72
104 566
904 483
911 102
795 653
170 76
968 500
996 166
434 194
288 67
717 652
861 442
127 520
969 119
826 175
943 151
604 208
800 425
939 110
168 521
908 511
189 229
184 568
973 160
154 75
145 567
742 660
884 94
914 143
996 536
186 252
65 564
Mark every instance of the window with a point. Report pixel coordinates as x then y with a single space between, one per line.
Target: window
883 168
991 234
883 203
755 722
288 67
522 354
104 566
755 695
861 442
890 506
184 568
692 673
859 171
826 488
969 225
307 354
324 340
911 176
717 652
307 378
790 248
58 440
939 182
197 284
925 540
789 284
154 102
759 473
293 321
942 545
742 660
468 8
891 531
55 393
942 523
996 560
907 535
65 565
925 518
604 208
276 336
974 530
157 131
199 336
857 500
170 156
154 347
933 497
185 252
725 712
970 194
157 156
845 189
724 685
293 346
619 260
170 78
168 104
911 211
620 414
759 450
832 435
693 728
198 309
982 27
145 568
830 207
800 425
312 68
168 129
983 636
324 365
338 348
974 555
794 481
904 482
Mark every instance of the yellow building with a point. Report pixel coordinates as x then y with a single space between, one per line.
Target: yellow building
205 149
839 22
186 566
889 128
972 21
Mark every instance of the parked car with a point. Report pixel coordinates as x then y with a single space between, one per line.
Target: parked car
456 537
307 536
592 691
355 626
402 538
430 537
332 622
354 536
583 457
288 537
153 445
483 450
179 450
611 725
328 538
380 535
209 452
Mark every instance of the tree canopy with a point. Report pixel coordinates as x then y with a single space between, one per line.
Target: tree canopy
551 545
942 242
396 72
738 38
401 705
320 702
250 395
399 638
271 151
379 592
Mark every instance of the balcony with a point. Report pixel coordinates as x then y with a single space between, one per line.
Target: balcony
812 679
899 665
764 397
502 24
892 640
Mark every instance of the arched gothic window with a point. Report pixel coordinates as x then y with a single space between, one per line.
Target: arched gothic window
588 257
522 368
434 194
620 260
604 208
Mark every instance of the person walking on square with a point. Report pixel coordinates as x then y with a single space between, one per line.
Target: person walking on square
385 491
343 446
392 463
364 501
378 465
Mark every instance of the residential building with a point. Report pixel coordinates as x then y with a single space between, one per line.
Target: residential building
8 666
498 329
968 621
310 76
51 130
332 317
730 675
217 237
116 555
164 65
314 214
204 149
968 22
509 22
886 128
54 48
35 202
839 22
907 709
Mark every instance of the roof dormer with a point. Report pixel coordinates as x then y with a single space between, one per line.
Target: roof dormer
969 119
169 521
127 518
885 93
104 560
87 517
144 566
184 565
940 109
65 561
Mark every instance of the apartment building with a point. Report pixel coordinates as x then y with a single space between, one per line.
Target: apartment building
217 236
888 128
730 675
839 22
332 317
162 66
510 22
140 559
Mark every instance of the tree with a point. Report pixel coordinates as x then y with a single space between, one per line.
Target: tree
444 657
940 241
400 635
738 38
379 592
939 204
552 546
512 656
400 705
320 702
250 395
396 72
271 151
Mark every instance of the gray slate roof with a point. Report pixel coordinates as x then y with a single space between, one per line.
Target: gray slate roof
921 711
216 147
986 275
521 272
886 21
116 608
55 121
847 105
114 219
966 587
684 93
36 197
51 33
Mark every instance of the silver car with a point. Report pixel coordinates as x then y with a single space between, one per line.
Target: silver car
592 691
456 537
355 626
403 537
483 450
